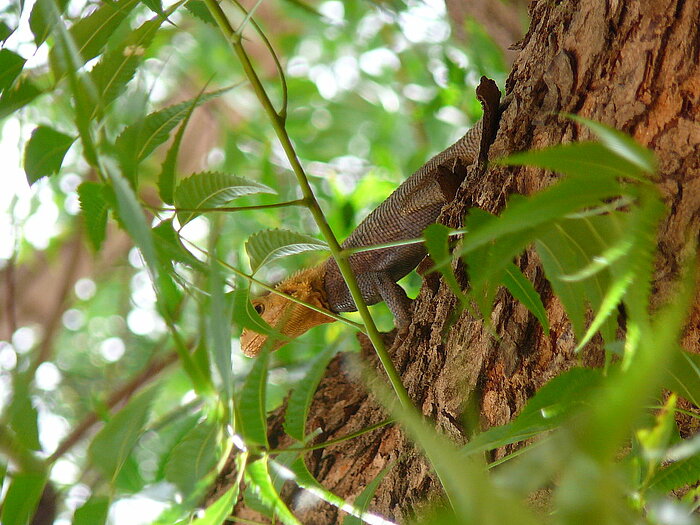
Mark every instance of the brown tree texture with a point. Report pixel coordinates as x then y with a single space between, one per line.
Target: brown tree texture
632 65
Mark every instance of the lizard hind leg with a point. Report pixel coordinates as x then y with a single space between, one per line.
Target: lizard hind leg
395 298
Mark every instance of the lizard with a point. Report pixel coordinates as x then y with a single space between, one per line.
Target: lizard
413 206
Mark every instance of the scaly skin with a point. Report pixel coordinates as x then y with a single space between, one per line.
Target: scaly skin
412 207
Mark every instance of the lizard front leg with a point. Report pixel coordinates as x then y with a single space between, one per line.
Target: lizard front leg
394 296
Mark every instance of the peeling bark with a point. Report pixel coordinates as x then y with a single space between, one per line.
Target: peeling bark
632 65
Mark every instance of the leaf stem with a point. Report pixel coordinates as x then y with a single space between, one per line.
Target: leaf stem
296 202
278 123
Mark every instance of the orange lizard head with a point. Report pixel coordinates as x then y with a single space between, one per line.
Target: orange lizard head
289 318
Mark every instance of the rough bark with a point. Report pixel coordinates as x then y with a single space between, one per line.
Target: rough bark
632 65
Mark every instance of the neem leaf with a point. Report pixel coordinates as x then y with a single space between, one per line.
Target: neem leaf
95 207
522 289
212 189
251 402
193 457
11 65
18 96
259 475
268 245
44 152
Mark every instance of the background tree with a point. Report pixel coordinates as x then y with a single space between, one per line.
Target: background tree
121 379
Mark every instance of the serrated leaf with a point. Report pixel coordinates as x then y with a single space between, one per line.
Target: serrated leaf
112 445
22 498
11 65
169 247
138 140
522 289
578 159
93 512
677 475
44 152
89 35
259 476
95 207
245 316
219 324
266 246
252 423
212 190
117 67
621 144
302 395
199 9
22 93
193 458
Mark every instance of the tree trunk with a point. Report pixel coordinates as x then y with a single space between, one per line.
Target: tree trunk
632 65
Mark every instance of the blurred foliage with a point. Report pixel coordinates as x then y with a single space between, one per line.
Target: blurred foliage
108 101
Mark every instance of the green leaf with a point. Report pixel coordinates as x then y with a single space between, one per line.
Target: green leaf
266 246
654 441
90 34
199 9
259 476
219 321
169 247
93 511
5 31
245 316
95 207
212 189
581 159
621 144
362 501
677 475
252 423
44 153
22 498
554 403
166 179
522 289
684 377
11 65
302 395
139 140
22 93
43 18
220 510
193 458
117 67
23 416
112 445
131 215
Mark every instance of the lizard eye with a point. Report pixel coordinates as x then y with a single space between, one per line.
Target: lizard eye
260 308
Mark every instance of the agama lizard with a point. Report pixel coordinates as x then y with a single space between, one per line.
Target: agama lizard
413 206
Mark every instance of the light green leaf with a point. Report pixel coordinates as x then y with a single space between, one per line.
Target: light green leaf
22 498
621 144
245 316
169 247
44 153
362 501
22 93
219 321
212 190
93 512
684 377
90 34
112 445
252 421
266 246
23 416
43 18
580 159
221 509
95 207
676 475
259 476
193 458
138 140
11 65
302 395
522 289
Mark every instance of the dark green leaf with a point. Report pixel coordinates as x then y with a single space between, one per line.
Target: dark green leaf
22 498
44 153
300 400
5 31
199 9
266 246
89 36
251 404
95 207
18 96
522 289
112 445
11 65
193 458
93 511
43 18
362 501
437 242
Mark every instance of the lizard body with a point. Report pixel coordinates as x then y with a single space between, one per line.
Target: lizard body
412 207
